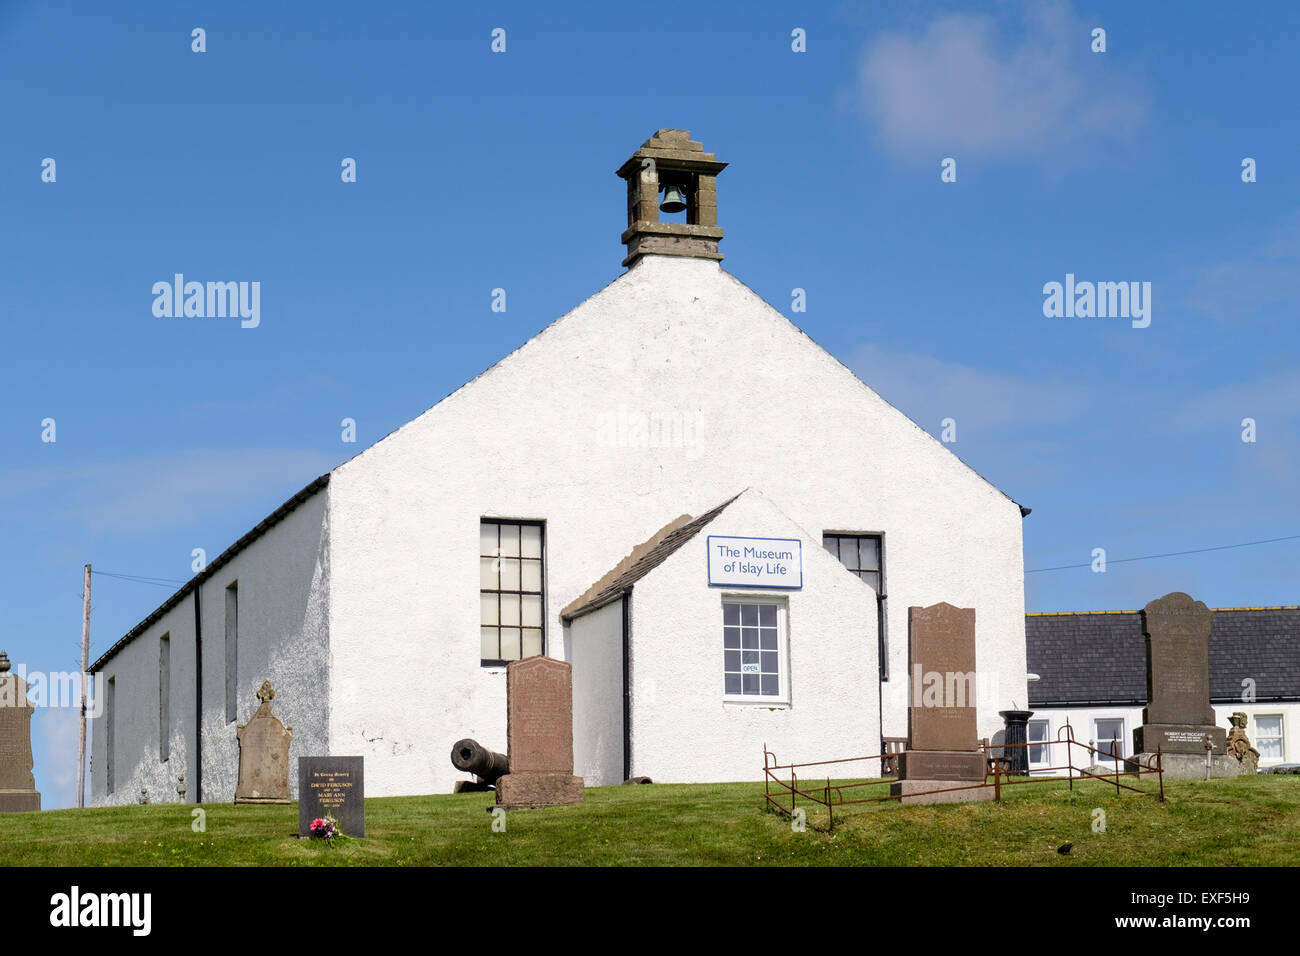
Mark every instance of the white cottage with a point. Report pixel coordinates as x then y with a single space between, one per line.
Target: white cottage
532 511
1089 670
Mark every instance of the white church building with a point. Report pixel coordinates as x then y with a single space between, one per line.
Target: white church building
672 487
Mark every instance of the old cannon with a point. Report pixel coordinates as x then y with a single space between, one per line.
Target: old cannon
472 757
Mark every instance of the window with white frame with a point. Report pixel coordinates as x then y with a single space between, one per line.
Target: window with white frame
1109 734
1039 752
512 607
1268 736
753 648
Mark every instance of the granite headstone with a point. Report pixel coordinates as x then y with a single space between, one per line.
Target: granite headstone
1178 717
263 755
18 792
539 736
332 787
942 738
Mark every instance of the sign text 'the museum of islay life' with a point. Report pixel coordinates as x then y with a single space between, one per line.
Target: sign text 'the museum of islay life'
755 562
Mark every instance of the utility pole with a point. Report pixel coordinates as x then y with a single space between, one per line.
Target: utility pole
85 664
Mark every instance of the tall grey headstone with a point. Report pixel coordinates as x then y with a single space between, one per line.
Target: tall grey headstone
1178 721
18 792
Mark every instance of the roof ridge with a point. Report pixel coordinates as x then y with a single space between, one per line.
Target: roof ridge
1262 607
641 560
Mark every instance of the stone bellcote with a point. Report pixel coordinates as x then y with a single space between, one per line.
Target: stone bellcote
669 158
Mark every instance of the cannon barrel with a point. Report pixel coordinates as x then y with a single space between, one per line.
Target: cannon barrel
472 757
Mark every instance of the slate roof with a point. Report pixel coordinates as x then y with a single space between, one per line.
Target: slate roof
1099 657
643 559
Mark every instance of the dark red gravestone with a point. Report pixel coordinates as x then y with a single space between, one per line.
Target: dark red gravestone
941 725
539 735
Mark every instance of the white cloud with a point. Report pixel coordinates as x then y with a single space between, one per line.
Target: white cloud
1236 290
958 89
929 389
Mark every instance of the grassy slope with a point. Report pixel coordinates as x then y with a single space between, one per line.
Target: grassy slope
1238 822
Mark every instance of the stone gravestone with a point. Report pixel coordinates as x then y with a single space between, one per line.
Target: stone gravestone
1178 718
332 787
539 736
1239 747
263 755
942 738
17 785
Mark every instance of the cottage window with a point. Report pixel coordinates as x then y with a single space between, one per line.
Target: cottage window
511 595
1039 755
1268 736
1109 734
753 648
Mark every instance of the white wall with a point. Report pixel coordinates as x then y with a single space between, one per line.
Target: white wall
136 723
1288 711
283 580
1083 722
594 644
533 438
683 731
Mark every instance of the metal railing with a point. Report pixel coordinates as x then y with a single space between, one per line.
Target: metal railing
831 795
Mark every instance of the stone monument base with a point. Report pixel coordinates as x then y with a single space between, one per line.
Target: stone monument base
1187 766
1179 738
525 791
964 765
240 800
19 801
910 790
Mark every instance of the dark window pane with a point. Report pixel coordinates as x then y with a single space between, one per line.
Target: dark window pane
749 637
749 614
868 554
749 683
731 661
731 614
767 638
771 685
731 637
733 684
831 544
769 662
849 553
749 657
767 615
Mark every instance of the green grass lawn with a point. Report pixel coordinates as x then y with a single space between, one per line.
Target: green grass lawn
1246 821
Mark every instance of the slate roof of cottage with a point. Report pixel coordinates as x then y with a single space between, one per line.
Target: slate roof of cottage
1099 657
643 559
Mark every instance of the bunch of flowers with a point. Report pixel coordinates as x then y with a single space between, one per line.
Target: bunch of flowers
325 828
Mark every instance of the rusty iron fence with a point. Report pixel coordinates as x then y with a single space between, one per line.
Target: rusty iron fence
777 792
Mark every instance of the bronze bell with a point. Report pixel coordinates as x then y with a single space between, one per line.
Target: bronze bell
673 201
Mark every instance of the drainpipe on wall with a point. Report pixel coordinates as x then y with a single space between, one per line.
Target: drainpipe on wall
198 697
627 685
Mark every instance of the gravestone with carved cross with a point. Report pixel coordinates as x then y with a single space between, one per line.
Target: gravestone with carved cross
263 755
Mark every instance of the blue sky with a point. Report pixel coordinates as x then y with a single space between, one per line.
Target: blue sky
479 170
